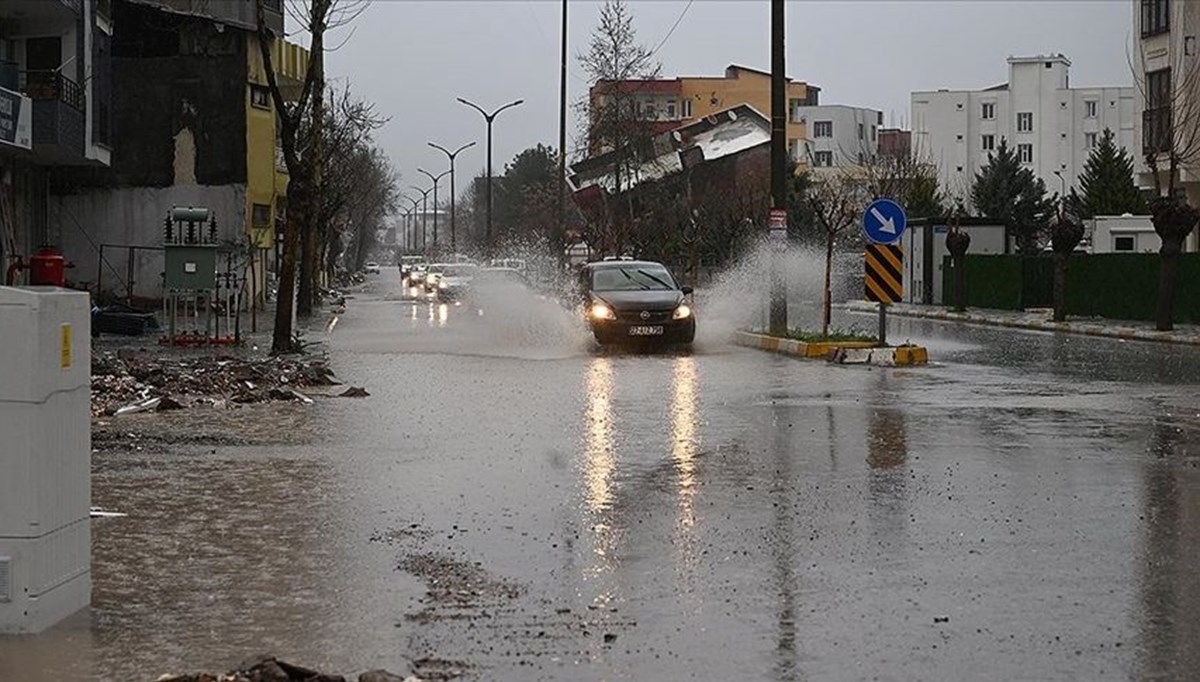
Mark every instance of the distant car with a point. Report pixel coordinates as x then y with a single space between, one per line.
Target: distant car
412 269
632 300
432 273
371 268
454 281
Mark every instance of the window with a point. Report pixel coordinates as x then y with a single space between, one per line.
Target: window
1025 122
1124 243
794 149
1156 17
959 138
794 107
671 110
260 215
823 129
861 132
988 143
1089 108
1156 119
988 111
1089 140
686 108
872 133
1025 153
260 97
823 159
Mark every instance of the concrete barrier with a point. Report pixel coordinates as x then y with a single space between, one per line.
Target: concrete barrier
840 352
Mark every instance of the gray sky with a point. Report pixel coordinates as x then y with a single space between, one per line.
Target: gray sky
414 58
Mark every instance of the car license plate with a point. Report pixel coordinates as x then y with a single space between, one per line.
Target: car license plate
646 331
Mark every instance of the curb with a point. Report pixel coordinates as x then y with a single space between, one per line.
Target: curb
1079 328
842 353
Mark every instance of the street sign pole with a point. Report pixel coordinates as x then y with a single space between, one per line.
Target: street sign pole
884 222
779 180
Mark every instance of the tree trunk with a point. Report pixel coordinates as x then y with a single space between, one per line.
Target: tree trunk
827 306
1164 317
1061 260
281 338
960 282
308 254
309 291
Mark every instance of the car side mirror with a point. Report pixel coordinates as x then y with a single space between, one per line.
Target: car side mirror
687 291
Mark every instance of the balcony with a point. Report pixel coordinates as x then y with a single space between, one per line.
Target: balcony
59 117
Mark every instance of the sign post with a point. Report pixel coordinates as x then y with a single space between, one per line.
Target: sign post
884 222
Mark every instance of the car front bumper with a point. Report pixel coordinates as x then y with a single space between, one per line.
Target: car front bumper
632 330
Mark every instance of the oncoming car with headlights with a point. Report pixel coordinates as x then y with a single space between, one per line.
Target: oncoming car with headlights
631 300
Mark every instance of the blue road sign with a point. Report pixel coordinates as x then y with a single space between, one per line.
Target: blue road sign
884 221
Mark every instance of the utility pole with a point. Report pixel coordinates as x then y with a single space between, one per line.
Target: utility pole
562 138
489 117
779 181
453 220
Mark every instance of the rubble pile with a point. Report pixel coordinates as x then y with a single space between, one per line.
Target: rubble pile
270 669
135 381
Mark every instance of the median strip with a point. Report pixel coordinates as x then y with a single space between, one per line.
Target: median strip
838 352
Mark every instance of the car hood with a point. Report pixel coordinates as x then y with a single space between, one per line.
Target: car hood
658 299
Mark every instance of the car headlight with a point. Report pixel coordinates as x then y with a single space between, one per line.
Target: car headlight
682 312
441 285
601 311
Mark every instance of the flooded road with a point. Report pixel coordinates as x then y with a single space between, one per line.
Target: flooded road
514 503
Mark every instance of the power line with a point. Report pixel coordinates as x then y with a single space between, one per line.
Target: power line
673 27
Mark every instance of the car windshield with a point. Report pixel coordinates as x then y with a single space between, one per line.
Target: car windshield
436 268
632 278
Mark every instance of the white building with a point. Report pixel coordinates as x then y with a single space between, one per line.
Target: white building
1051 126
1166 56
837 135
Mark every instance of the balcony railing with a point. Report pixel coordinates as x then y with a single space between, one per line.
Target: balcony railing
52 85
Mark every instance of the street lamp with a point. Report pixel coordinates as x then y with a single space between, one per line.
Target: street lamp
435 179
412 222
424 211
453 221
489 118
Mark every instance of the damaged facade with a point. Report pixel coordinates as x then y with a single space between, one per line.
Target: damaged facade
55 111
193 125
652 198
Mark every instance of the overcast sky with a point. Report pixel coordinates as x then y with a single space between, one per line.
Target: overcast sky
414 58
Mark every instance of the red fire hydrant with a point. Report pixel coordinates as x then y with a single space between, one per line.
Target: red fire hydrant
47 267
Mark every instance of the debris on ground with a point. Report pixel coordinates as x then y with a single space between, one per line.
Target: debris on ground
354 392
130 381
271 669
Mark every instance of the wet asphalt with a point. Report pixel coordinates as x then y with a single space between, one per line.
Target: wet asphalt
517 504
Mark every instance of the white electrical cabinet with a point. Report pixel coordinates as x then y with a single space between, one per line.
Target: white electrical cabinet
45 456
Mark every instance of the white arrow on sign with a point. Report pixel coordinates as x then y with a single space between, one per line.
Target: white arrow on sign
887 225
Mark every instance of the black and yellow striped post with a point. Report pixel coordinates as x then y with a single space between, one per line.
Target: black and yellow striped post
884 280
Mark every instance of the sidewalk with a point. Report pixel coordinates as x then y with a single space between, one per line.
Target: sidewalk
1040 320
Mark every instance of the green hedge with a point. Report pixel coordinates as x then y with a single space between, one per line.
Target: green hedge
1120 286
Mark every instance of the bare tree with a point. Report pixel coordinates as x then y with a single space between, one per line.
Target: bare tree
315 17
1171 143
835 199
618 68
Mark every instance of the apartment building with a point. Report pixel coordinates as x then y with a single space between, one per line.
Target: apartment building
1051 126
195 126
838 135
1167 60
664 104
55 104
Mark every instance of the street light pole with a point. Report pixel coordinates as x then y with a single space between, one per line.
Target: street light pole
424 213
412 224
453 219
489 118
435 179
